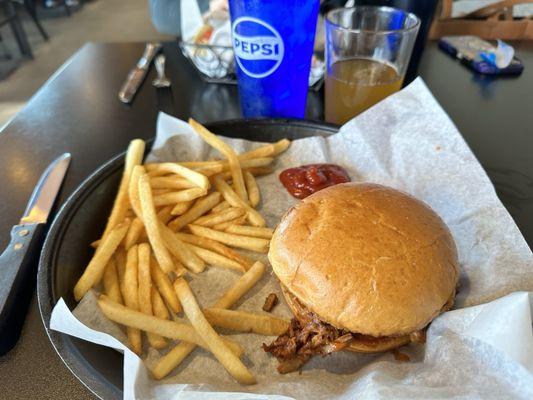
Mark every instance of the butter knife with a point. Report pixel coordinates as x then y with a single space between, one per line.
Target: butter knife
137 74
18 262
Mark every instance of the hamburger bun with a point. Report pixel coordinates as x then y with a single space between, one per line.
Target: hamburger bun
367 259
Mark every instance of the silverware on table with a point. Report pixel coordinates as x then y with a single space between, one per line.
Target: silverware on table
18 262
138 73
161 81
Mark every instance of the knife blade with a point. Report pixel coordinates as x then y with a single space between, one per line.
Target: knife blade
138 73
18 262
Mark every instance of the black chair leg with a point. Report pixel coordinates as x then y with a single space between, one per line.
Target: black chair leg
5 52
32 10
67 8
18 30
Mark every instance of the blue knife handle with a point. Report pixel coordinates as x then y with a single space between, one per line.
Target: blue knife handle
18 271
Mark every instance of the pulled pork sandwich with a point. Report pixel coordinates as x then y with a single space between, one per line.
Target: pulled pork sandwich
364 268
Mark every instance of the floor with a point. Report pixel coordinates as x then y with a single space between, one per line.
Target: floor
98 20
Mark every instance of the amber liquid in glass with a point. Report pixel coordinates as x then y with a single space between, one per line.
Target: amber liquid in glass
354 85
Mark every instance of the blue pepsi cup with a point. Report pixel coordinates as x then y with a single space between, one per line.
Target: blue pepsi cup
273 44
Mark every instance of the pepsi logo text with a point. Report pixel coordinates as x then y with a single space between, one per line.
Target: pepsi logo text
258 47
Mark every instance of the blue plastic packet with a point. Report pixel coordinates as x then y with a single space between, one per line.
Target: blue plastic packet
500 57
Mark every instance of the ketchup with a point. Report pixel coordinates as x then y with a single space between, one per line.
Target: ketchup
308 179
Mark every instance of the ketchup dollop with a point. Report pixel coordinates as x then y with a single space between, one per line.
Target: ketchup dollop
308 179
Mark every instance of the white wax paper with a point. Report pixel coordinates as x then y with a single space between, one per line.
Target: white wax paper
482 349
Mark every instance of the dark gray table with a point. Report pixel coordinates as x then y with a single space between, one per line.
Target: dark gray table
78 111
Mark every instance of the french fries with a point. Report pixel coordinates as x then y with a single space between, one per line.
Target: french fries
172 198
219 217
133 191
164 214
230 239
231 197
157 192
227 151
200 208
209 168
215 246
215 343
164 286
145 292
242 321
120 258
196 178
158 305
267 150
252 231
136 230
263 151
281 145
171 182
180 269
131 295
243 285
146 249
148 323
134 157
181 208
255 162
134 233
216 259
225 225
94 271
172 359
252 188
151 224
259 171
181 251
111 282
219 207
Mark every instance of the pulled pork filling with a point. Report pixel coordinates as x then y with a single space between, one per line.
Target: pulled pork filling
307 335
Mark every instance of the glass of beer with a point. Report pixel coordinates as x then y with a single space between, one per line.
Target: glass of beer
367 53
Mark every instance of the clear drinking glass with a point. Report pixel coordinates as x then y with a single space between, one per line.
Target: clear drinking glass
367 53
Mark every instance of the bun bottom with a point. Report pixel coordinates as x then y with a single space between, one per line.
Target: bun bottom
377 345
361 343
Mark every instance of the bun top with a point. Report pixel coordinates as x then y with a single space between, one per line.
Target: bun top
366 258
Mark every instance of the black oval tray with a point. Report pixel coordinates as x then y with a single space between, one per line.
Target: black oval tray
81 220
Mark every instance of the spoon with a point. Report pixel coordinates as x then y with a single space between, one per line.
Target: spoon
161 81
